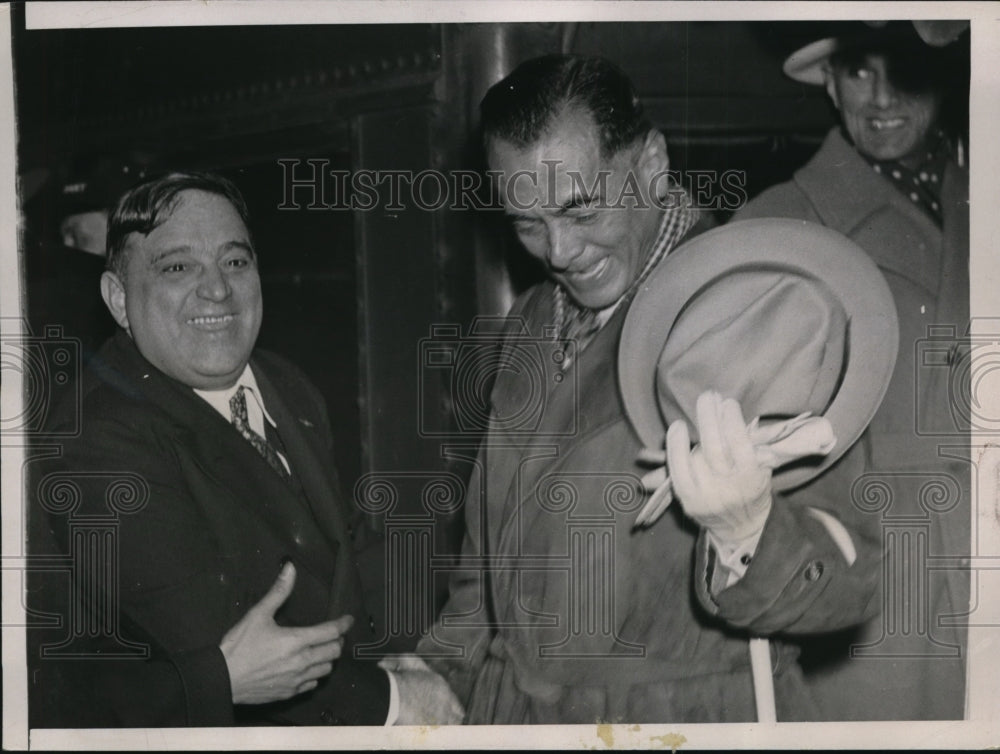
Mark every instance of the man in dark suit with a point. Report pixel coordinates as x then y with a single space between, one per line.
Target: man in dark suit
206 468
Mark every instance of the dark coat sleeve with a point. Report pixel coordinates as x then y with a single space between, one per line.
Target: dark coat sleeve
800 580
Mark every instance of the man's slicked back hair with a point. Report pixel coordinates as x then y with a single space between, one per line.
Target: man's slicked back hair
147 205
521 108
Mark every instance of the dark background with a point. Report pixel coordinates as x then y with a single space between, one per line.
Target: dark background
237 99
351 296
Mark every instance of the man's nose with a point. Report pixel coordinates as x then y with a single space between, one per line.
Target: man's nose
564 247
883 92
213 284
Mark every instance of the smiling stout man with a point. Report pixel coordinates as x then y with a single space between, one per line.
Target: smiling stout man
236 564
888 179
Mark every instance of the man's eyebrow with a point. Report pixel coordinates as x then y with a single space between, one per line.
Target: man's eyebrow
245 245
579 201
240 244
156 259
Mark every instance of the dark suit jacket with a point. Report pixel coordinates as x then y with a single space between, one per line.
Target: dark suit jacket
189 524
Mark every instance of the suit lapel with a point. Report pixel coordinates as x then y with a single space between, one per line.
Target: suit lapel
299 430
199 433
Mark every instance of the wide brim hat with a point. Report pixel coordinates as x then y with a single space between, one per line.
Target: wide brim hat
786 316
807 64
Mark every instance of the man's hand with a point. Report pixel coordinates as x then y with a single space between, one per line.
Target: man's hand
425 698
268 662
720 482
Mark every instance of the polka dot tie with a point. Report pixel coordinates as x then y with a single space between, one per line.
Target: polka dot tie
922 185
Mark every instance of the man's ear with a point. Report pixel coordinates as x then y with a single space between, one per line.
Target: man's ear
653 164
653 160
830 82
113 293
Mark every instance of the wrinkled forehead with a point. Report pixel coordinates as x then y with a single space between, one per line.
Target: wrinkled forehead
563 167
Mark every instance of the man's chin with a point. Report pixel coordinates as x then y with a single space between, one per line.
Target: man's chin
885 150
215 375
598 296
213 381
586 302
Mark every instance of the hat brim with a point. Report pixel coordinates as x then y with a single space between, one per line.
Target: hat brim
807 64
795 246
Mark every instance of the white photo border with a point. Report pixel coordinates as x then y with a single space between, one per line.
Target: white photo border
982 727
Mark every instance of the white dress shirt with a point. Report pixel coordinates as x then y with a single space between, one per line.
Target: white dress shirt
256 412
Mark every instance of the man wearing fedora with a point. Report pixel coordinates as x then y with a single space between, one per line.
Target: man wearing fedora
578 598
891 179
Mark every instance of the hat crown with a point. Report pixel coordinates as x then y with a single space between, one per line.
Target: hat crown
783 333
759 326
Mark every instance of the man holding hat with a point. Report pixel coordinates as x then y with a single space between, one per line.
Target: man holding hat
890 179
578 598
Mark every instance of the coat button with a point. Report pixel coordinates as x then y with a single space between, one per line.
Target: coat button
326 716
813 571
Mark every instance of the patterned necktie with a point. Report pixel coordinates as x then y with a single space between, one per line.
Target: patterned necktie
238 407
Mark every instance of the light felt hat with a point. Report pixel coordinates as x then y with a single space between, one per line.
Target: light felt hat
785 316
807 64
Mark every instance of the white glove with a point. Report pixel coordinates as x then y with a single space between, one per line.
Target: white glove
720 483
774 444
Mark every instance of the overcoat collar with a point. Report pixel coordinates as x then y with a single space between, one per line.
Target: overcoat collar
847 193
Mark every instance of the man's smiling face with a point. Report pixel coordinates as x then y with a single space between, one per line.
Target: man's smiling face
190 297
570 218
885 122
